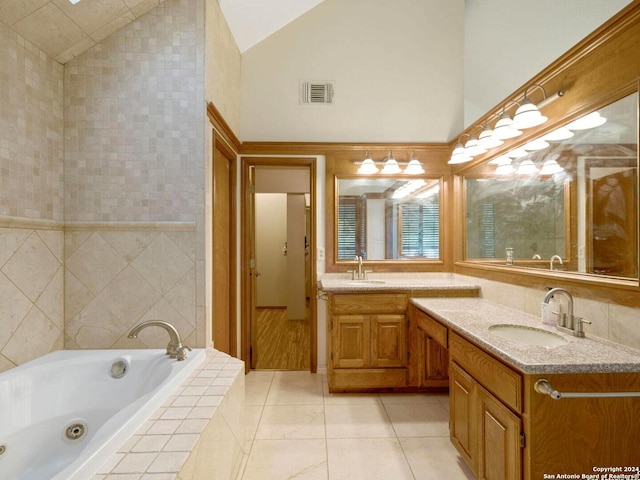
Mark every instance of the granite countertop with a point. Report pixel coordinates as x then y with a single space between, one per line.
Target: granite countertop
342 282
472 317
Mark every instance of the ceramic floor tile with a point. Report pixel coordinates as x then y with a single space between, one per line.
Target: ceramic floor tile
357 421
435 458
295 390
251 418
410 398
367 459
288 422
351 399
287 459
419 420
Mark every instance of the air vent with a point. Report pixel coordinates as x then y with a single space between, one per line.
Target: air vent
316 93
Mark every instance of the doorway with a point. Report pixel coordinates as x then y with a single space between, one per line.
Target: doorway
279 318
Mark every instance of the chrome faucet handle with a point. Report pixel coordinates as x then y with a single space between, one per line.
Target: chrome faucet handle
578 321
181 353
353 274
366 273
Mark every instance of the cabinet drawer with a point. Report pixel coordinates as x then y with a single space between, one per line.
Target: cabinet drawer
432 328
492 374
370 303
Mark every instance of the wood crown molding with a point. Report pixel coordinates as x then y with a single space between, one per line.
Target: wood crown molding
221 126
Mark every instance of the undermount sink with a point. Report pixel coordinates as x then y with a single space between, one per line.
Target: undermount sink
528 335
365 282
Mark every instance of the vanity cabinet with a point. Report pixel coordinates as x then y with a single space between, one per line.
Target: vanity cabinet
485 426
429 359
367 341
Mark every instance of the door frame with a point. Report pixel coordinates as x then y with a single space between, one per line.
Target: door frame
224 140
247 271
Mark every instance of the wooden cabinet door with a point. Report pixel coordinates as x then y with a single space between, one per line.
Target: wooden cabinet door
436 363
499 453
462 428
388 341
351 341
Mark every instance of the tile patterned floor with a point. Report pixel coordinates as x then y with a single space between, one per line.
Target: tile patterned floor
296 429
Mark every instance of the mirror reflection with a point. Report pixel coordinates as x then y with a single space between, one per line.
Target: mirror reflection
566 201
388 218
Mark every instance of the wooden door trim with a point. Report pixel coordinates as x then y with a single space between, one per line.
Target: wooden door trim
224 140
245 164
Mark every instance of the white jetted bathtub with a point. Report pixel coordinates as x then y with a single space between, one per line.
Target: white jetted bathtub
64 414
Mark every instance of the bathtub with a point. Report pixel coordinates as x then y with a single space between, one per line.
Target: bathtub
64 414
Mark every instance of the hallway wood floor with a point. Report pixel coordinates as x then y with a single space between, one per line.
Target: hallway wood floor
282 344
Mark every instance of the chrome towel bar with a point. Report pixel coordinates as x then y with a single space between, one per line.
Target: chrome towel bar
544 387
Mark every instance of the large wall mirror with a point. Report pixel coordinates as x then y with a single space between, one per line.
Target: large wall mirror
387 218
566 201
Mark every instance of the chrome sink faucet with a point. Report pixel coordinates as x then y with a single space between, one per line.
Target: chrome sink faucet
175 349
555 257
359 274
567 321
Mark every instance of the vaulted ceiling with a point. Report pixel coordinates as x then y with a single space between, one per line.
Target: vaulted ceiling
64 30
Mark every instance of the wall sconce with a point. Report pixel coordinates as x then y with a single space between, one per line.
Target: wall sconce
390 165
504 129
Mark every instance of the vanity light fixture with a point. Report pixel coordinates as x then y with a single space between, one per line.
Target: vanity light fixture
558 134
414 167
505 168
74 1
551 166
487 139
504 126
459 154
472 148
391 167
591 120
526 167
517 153
408 188
533 145
368 166
429 192
528 115
500 160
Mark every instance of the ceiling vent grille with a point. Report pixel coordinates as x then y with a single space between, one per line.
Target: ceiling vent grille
316 93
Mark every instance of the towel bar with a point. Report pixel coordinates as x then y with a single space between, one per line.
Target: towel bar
544 387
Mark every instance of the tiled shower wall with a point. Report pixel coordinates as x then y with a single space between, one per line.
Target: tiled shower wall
134 182
31 201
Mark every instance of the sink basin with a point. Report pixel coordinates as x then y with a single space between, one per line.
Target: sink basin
365 282
528 335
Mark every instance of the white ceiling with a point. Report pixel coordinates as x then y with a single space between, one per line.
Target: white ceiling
63 30
251 21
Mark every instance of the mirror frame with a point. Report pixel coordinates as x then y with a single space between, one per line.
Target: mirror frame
604 61
342 162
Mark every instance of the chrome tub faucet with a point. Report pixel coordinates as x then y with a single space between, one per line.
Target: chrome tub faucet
175 349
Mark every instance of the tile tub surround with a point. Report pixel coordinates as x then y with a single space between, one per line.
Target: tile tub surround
336 282
472 317
198 433
31 290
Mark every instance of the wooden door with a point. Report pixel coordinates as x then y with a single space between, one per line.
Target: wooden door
436 364
388 341
499 454
351 343
223 331
462 393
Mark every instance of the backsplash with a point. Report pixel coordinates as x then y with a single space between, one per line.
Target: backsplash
613 322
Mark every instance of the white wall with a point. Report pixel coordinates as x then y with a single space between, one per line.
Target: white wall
507 42
271 234
397 67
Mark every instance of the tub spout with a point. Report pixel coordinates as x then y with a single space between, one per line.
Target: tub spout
175 349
